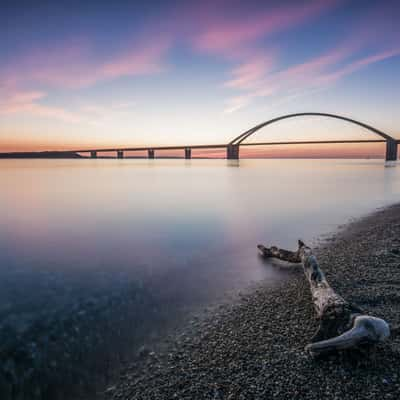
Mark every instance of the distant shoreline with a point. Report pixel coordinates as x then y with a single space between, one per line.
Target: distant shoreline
41 154
73 155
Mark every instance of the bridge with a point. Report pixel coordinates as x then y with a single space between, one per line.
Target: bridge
232 148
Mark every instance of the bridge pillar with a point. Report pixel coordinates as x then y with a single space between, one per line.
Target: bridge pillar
188 153
120 154
150 153
93 154
232 152
391 150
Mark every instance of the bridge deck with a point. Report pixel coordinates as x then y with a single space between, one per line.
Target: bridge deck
216 146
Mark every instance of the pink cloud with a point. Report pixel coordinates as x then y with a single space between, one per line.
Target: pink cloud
39 110
19 98
27 102
236 103
317 73
229 36
316 65
16 101
236 35
71 65
357 65
361 47
257 78
250 72
328 68
147 61
74 65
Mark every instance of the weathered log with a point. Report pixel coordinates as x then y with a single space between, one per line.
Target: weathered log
342 325
281 254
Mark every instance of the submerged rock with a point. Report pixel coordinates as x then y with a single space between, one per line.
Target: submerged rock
74 350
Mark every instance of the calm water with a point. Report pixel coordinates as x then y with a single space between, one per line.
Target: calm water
139 242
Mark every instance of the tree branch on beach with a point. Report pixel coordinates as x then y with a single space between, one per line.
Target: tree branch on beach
342 325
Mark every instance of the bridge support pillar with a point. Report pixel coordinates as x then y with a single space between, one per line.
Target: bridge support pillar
120 154
150 153
232 152
188 153
391 150
93 154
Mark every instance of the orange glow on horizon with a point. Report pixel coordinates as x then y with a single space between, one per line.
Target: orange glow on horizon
352 150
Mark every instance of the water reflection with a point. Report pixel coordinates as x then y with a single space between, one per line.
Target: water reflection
111 251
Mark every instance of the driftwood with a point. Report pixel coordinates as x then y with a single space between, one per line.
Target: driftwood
342 325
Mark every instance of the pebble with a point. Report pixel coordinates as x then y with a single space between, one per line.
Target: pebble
254 347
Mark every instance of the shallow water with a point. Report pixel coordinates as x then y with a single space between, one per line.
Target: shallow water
169 235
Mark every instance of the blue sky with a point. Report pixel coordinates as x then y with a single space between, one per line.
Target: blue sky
176 72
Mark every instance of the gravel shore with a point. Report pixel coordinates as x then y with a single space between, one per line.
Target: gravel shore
253 348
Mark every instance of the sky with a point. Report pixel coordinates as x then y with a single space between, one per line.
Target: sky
136 73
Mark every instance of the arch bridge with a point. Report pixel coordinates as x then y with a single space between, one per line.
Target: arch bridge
391 143
232 148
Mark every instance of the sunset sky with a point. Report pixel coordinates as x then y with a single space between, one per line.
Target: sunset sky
101 73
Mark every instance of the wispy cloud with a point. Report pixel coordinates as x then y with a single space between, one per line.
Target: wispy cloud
74 65
249 41
240 37
33 103
70 66
250 72
246 38
357 65
28 102
236 103
231 34
17 99
316 73
148 60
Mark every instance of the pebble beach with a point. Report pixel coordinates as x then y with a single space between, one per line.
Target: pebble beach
253 347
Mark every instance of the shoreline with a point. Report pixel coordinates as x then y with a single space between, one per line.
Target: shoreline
253 348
